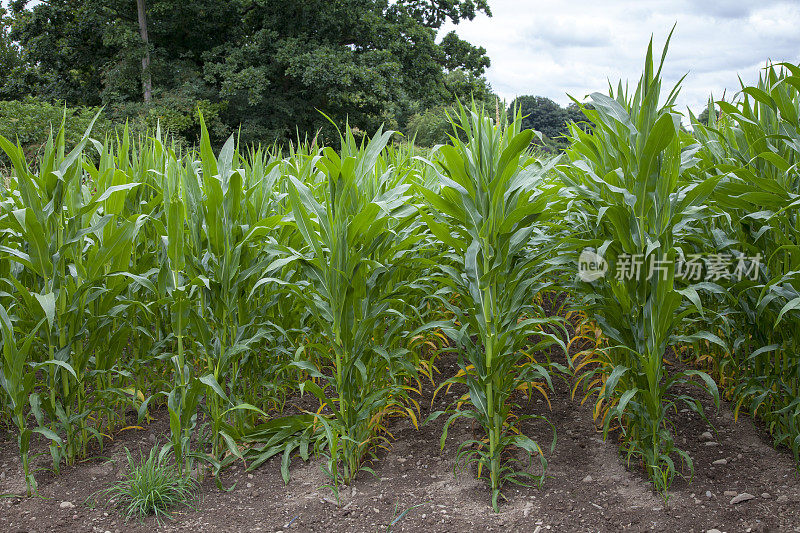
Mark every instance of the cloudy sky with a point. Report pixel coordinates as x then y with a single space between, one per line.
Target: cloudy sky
553 49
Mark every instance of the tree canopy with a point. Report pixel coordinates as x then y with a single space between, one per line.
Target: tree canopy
267 66
12 75
548 117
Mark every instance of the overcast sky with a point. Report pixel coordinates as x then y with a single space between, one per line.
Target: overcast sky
552 49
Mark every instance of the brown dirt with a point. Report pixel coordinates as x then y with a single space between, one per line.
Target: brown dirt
415 472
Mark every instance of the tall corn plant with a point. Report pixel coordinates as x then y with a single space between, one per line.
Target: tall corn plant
149 161
120 301
236 251
351 219
175 296
491 207
180 286
54 229
755 145
627 176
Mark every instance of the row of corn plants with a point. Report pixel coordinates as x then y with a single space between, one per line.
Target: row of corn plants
492 207
215 285
753 144
658 203
288 304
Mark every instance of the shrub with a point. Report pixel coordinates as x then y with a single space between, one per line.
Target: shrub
178 116
31 120
430 127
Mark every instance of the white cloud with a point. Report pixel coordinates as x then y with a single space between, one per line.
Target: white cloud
557 48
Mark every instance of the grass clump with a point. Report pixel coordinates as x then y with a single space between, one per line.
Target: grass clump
152 487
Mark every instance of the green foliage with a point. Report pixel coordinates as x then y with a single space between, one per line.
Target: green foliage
430 127
177 116
265 67
152 486
12 71
185 261
31 121
705 115
540 114
490 202
17 382
355 219
44 225
636 203
753 145
220 284
89 52
550 119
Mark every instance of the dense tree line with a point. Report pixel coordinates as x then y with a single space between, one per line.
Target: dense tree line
264 67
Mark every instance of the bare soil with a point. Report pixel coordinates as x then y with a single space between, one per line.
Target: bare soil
588 485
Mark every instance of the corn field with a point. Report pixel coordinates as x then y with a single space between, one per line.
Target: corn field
140 280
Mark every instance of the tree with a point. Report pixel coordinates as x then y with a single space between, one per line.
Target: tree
546 116
91 52
12 66
147 79
269 65
370 62
65 46
541 114
432 125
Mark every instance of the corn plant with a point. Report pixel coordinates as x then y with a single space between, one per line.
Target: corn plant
491 210
755 147
236 253
56 222
638 207
119 300
17 380
178 290
352 218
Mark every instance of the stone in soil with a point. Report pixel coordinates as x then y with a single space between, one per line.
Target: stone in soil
743 497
